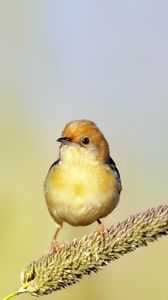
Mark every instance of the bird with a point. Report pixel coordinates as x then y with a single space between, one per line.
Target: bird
83 185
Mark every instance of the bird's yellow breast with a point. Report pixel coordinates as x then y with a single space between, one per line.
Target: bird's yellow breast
80 192
80 180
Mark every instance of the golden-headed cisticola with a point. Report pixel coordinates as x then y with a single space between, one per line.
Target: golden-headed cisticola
84 184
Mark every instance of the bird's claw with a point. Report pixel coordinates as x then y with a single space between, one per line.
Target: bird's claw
101 229
55 247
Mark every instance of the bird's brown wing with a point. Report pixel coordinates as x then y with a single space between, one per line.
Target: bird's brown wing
54 164
112 165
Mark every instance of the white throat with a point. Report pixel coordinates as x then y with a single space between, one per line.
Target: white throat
77 155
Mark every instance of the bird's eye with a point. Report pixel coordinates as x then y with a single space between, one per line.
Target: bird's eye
85 140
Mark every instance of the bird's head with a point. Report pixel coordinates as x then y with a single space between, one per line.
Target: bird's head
84 137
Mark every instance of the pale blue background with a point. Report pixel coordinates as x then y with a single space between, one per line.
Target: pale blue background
101 60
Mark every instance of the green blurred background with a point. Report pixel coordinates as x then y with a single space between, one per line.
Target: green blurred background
101 60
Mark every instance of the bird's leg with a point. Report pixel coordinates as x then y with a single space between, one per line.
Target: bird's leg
54 244
101 229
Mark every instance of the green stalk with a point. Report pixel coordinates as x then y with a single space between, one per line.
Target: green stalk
16 293
11 295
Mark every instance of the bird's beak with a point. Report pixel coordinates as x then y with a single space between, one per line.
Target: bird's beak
64 140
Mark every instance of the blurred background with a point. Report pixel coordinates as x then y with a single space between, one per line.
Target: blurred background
100 60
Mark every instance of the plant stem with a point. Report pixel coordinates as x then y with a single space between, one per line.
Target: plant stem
11 295
16 293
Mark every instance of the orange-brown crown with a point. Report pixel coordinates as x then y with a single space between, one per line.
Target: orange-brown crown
78 129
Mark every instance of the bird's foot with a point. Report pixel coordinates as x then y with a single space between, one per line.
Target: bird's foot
55 247
101 229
